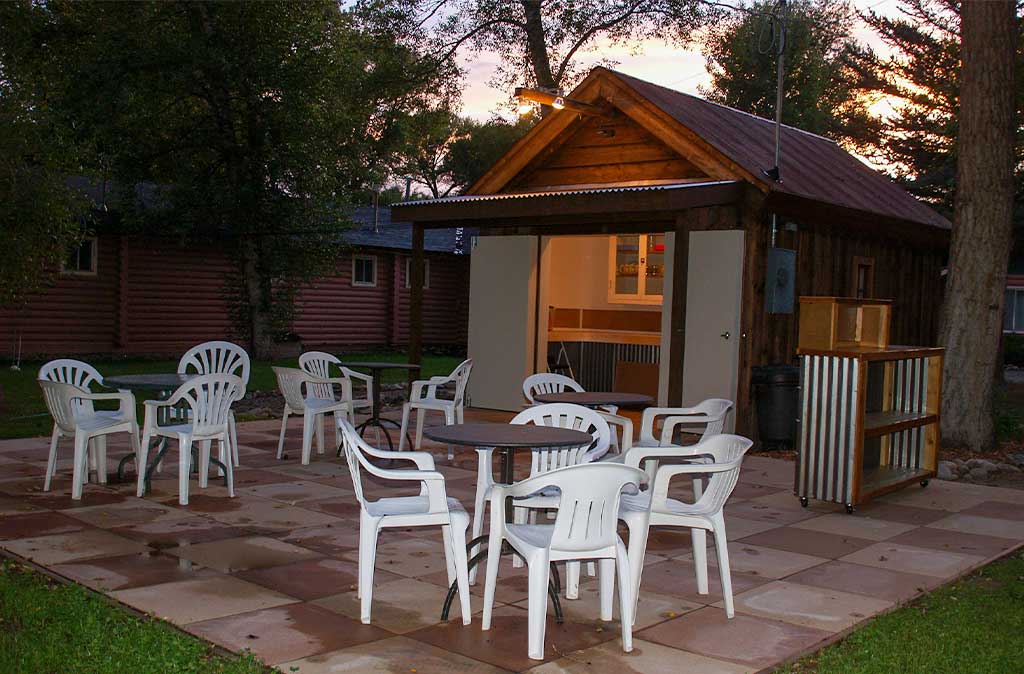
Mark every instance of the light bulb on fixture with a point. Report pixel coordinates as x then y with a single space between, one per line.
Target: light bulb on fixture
558 103
525 108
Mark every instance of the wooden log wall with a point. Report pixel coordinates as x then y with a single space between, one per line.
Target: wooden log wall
158 299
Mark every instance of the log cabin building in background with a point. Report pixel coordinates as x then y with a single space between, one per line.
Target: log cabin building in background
123 295
646 240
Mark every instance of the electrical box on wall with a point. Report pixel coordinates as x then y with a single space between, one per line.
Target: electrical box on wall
780 281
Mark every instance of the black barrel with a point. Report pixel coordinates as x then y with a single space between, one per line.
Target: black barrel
776 392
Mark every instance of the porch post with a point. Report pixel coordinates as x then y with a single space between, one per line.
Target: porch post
677 324
416 296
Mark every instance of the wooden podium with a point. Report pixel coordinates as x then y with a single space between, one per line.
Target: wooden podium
869 413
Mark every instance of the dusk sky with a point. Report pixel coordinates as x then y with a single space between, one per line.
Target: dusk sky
657 61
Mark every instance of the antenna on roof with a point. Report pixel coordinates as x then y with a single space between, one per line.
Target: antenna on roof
778 18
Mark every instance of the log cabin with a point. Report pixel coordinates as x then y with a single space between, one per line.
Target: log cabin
647 247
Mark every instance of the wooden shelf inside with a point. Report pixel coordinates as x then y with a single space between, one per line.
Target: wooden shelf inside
882 479
883 423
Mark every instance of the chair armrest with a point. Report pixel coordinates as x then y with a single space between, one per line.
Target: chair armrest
650 415
668 428
423 460
127 400
640 453
659 493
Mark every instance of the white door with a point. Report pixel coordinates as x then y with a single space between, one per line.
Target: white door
714 281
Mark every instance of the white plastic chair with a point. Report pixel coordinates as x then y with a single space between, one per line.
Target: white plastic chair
73 415
559 415
723 456
584 529
207 399
706 417
547 382
83 375
430 509
424 397
219 357
318 364
300 389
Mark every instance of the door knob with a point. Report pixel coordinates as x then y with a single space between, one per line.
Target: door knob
725 335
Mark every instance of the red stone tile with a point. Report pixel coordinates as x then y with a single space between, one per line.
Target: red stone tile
126 571
763 512
286 633
91 496
677 578
173 533
314 578
37 524
250 477
505 644
867 580
954 541
900 513
808 542
997 510
757 642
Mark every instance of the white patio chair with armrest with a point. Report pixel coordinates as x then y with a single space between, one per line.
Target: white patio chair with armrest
207 400
219 357
431 508
584 529
549 382
318 364
559 415
300 389
83 375
724 454
71 409
424 397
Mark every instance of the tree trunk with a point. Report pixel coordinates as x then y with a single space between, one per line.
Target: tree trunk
257 301
537 45
982 223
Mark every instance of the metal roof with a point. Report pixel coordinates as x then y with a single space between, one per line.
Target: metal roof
380 231
812 167
575 191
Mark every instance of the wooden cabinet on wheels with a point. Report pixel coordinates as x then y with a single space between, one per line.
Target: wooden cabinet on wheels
869 413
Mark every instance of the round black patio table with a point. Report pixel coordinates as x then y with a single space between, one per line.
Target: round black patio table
164 384
376 420
595 398
506 439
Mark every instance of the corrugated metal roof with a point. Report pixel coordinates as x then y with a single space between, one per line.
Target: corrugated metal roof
381 232
470 198
812 167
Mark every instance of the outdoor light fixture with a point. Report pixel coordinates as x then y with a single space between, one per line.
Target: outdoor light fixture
525 108
528 96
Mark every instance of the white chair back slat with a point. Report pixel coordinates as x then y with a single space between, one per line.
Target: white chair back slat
724 451
60 401
217 357
461 376
209 398
562 415
74 372
318 364
290 382
587 517
547 382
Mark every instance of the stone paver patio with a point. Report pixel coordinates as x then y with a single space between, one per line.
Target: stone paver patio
274 569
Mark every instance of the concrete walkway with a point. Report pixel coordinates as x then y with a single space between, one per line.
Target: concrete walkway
274 569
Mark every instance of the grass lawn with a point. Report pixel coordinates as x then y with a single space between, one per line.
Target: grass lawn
975 625
48 627
23 412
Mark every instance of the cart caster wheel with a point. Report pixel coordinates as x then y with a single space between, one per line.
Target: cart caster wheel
849 508
924 483
803 501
